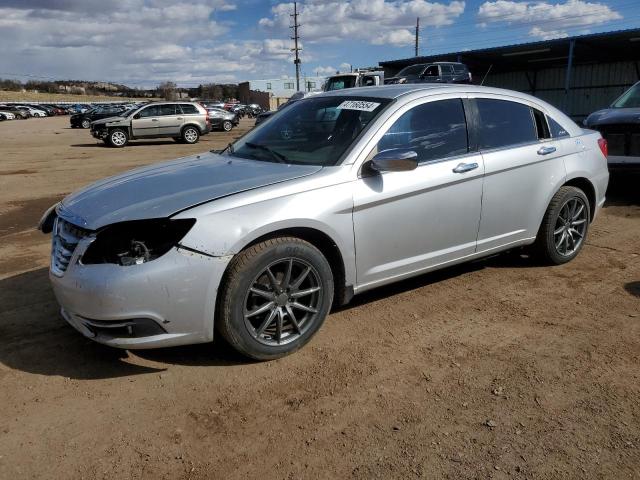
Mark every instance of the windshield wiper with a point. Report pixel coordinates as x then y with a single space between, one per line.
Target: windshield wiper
228 148
278 156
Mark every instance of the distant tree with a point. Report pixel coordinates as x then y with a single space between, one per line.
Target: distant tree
167 90
11 85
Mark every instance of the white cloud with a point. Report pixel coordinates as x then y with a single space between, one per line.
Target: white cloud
547 20
325 71
142 42
374 21
395 37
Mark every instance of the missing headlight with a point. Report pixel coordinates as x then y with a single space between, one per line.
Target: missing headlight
136 242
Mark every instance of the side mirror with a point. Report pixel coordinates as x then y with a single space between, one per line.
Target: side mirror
136 116
395 160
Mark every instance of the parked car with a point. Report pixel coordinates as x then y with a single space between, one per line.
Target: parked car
83 120
18 113
33 112
6 115
182 121
361 77
620 125
294 98
338 194
437 72
222 120
48 111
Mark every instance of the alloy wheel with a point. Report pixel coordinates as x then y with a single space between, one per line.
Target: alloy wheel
283 301
190 135
570 226
118 138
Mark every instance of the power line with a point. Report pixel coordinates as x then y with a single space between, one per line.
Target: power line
417 35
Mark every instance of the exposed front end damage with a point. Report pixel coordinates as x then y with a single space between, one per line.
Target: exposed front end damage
123 292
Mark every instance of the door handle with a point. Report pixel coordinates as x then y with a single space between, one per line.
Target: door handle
465 167
179 118
546 150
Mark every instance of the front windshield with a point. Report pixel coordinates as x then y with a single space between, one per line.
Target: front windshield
338 83
629 99
314 131
412 70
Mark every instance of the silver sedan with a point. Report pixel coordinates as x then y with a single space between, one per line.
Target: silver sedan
340 193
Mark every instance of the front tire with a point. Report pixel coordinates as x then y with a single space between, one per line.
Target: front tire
276 295
564 227
86 123
190 135
118 138
227 126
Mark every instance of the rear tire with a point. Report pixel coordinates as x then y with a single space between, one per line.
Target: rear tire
564 227
275 296
118 138
190 135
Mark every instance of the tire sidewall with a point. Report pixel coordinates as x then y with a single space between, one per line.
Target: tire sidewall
111 141
226 124
235 296
550 240
184 138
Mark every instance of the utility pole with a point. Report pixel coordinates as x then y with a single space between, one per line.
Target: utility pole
417 35
295 39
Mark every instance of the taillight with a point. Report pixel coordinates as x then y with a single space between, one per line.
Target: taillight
604 148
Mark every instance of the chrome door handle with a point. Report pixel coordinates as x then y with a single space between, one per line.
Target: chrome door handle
546 150
465 167
179 118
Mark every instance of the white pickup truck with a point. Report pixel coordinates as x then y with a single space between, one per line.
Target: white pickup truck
359 78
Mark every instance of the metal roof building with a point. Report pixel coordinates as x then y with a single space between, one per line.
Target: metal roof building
578 74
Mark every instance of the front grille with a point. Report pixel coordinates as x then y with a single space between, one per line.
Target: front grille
65 240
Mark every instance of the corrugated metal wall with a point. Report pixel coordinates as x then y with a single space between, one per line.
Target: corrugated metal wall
592 87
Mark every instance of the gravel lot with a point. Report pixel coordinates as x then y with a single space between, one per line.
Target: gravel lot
496 369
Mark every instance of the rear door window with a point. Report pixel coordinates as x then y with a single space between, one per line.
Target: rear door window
434 130
166 110
188 108
503 123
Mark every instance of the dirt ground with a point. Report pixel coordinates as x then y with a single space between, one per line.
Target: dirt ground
496 369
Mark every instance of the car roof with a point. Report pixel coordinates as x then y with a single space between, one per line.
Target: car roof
399 90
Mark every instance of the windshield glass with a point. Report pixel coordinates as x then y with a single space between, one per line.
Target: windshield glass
412 70
338 83
629 99
314 131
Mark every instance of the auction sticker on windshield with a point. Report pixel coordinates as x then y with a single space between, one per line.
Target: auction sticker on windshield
358 105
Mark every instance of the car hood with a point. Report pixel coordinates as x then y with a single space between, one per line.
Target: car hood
161 190
108 120
610 116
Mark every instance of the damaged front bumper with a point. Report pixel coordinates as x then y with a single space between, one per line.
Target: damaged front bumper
100 133
165 302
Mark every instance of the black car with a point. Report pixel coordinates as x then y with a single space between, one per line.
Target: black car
620 126
83 120
437 72
221 119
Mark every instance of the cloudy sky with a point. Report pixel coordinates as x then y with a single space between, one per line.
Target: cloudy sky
143 42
